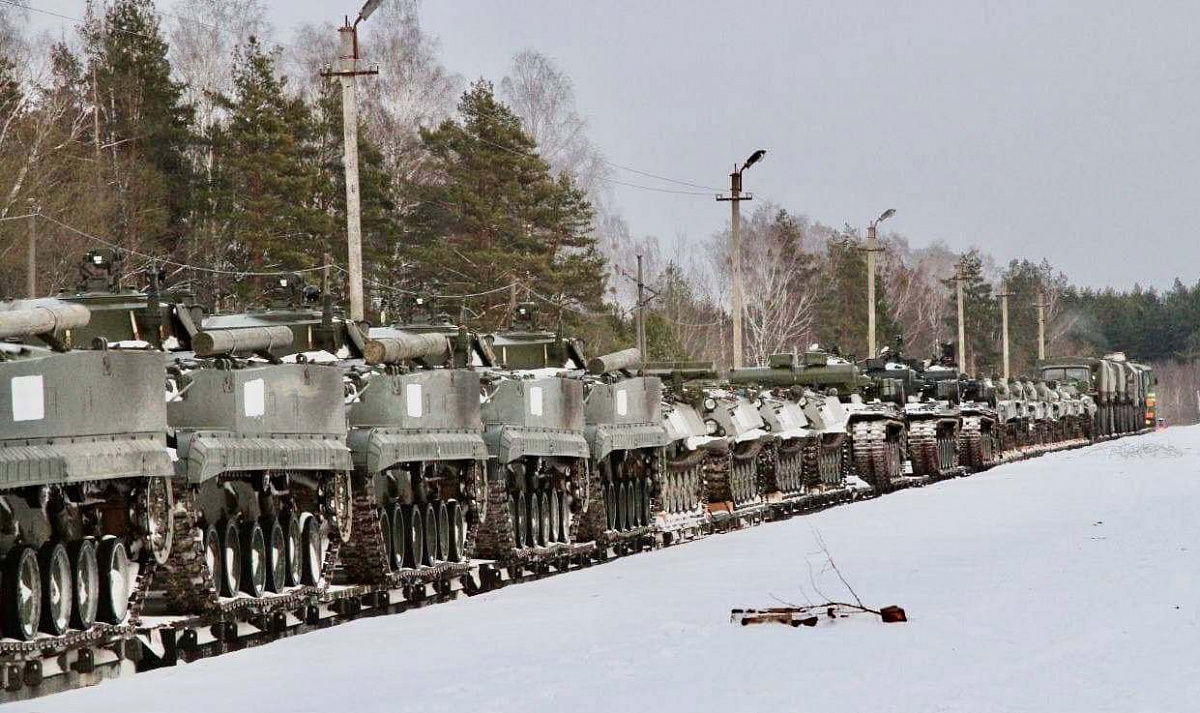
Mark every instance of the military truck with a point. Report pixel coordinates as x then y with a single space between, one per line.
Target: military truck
85 489
1122 391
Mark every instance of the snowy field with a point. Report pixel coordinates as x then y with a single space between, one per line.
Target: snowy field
1065 583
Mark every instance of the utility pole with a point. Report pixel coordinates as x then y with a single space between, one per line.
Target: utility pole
1041 305
872 248
641 311
735 197
31 252
962 324
348 71
1004 327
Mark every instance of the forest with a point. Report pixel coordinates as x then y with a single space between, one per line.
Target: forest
213 156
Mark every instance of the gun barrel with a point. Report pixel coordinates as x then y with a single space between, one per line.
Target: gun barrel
241 339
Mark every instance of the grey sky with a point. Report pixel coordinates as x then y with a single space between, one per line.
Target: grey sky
1065 130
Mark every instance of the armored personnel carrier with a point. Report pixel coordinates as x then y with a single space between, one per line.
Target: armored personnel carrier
416 433
538 482
623 427
718 442
85 488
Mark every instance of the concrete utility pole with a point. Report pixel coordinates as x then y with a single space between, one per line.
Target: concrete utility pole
735 197
31 253
962 324
347 72
872 248
641 311
1004 327
1041 305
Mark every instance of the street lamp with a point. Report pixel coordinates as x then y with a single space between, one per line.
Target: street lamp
735 197
872 248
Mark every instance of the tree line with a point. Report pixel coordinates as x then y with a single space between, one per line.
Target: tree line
216 155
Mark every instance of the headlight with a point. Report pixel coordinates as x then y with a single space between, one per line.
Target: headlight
711 426
710 404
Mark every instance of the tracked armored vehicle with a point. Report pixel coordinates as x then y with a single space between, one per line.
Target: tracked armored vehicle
980 442
538 480
719 443
85 488
416 433
929 396
623 427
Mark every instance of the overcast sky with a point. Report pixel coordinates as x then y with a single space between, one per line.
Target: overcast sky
1065 130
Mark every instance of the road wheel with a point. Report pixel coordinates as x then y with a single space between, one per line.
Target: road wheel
396 549
113 565
231 558
311 550
431 535
276 555
385 532
444 533
458 531
56 588
85 583
254 559
22 593
293 550
414 545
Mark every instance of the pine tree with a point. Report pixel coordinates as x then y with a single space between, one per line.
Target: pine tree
145 125
269 173
494 214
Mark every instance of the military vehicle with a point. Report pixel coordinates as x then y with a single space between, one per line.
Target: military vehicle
980 441
623 427
1122 391
928 394
538 482
85 473
718 440
858 420
416 433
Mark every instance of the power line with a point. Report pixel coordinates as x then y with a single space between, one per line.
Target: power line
652 188
647 174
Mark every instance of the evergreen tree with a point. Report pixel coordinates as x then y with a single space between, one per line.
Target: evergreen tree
145 125
269 175
494 214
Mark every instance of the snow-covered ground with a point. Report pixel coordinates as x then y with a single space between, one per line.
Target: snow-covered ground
1065 583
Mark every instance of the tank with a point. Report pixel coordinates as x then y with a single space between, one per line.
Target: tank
928 392
981 438
86 504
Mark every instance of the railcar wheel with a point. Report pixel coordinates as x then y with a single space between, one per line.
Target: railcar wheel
293 550
646 501
85 583
56 588
564 517
253 559
113 561
276 563
555 508
311 550
212 555
610 505
22 592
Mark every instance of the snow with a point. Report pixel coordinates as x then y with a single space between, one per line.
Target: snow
1067 582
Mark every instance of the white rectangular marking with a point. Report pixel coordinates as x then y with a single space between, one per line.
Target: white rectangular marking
412 400
28 398
535 400
254 398
622 402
